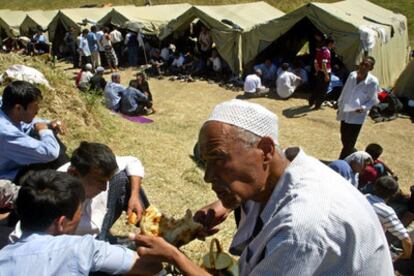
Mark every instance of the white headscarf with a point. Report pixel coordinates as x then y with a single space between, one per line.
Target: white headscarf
359 157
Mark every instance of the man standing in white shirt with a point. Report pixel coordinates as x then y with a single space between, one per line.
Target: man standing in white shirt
358 96
253 85
117 39
286 83
84 51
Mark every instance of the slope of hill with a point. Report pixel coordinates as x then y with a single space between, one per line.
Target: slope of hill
405 7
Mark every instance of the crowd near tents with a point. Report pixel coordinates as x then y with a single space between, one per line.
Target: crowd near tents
242 33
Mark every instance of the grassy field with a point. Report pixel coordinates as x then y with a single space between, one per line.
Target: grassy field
405 7
173 182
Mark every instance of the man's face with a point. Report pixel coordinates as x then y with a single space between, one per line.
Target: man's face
236 172
365 66
27 115
268 63
94 182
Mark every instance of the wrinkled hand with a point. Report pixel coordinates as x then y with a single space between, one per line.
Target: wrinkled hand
58 126
154 249
135 206
210 216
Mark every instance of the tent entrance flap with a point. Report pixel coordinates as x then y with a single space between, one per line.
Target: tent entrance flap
58 44
291 43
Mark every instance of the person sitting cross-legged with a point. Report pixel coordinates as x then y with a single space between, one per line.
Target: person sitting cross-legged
98 82
26 142
253 85
50 207
287 82
113 92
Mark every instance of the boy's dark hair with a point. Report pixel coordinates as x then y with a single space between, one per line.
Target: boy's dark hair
20 92
45 196
93 28
385 187
285 66
90 156
374 150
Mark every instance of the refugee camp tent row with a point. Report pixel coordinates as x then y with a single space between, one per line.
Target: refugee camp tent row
10 23
149 19
76 18
36 19
226 23
358 26
404 86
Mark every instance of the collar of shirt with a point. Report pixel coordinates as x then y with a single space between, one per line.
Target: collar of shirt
251 209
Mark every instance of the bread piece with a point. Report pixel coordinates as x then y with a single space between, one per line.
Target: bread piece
121 228
175 231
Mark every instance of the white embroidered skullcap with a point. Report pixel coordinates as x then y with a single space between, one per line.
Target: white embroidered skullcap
248 116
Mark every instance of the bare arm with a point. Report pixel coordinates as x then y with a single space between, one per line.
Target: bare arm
156 249
144 267
407 247
134 203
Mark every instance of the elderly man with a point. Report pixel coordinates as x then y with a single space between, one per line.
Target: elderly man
358 96
293 221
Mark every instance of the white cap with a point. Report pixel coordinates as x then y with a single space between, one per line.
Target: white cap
100 69
88 66
248 116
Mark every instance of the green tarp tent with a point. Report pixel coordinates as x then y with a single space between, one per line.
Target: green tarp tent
354 24
10 22
227 37
35 19
404 86
67 18
147 18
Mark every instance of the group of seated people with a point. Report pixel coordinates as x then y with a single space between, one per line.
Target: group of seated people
56 196
371 176
34 162
38 44
134 100
287 78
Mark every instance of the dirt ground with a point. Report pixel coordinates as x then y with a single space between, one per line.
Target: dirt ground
174 183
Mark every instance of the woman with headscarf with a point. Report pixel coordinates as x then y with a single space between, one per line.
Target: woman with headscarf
352 166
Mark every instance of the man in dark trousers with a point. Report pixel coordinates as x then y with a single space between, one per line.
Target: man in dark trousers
358 96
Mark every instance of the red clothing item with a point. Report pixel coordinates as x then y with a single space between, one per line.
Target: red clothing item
78 77
369 175
323 55
382 96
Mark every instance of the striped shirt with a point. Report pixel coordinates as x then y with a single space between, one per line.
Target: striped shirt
388 218
314 223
